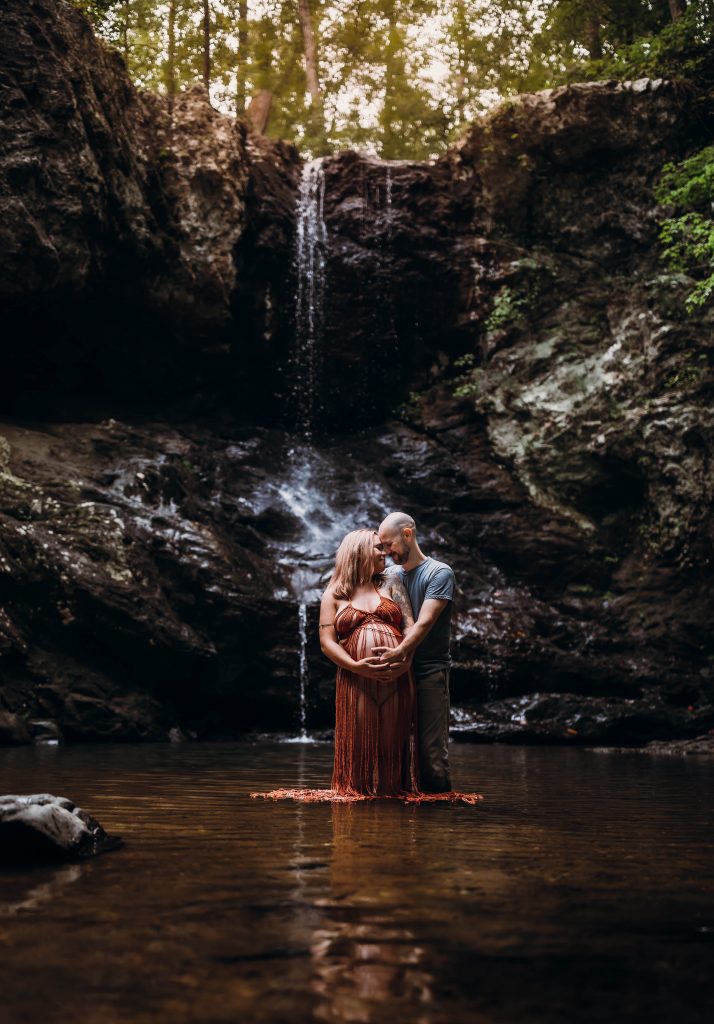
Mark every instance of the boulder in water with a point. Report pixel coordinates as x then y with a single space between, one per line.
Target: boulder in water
43 827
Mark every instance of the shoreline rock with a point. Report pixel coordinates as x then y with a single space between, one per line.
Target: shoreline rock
41 827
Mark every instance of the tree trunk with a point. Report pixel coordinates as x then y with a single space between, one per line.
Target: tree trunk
125 31
677 8
242 66
594 42
171 62
310 53
390 143
206 45
460 75
259 110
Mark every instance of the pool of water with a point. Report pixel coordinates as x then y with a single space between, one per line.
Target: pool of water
582 888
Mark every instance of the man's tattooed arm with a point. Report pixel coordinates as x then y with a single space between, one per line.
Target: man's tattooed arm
398 593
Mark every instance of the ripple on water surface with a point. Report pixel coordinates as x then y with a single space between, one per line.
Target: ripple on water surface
581 888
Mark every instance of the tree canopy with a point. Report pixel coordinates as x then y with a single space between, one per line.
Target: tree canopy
399 77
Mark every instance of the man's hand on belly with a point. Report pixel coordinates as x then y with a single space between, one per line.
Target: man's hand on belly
391 656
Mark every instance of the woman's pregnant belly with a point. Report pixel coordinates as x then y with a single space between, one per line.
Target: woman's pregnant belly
372 634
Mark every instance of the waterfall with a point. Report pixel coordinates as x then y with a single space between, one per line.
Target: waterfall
310 486
302 625
310 272
299 493
303 736
387 257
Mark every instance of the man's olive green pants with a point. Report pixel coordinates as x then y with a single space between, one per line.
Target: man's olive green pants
433 710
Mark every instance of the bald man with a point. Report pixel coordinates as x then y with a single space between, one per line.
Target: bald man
430 585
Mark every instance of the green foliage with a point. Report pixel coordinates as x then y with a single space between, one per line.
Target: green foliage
98 11
508 308
686 376
682 49
135 29
466 384
410 411
687 236
471 385
399 77
513 302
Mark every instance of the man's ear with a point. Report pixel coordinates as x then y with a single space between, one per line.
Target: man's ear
407 533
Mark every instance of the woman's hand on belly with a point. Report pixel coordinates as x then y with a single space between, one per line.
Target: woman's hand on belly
376 670
383 654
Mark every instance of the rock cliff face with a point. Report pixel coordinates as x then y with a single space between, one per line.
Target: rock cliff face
574 434
503 354
122 223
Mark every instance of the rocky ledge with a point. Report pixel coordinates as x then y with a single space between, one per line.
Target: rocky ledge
577 720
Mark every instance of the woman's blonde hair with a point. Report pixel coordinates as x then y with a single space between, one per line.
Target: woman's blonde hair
354 563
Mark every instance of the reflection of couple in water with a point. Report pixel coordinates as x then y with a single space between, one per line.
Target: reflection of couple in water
387 629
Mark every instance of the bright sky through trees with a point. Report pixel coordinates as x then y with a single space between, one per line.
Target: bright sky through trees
398 77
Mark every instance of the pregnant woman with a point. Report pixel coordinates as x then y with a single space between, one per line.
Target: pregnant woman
375 719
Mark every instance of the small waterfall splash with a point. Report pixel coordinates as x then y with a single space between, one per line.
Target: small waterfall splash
303 736
310 259
302 621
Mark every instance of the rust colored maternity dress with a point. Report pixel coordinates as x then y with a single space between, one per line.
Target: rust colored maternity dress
375 721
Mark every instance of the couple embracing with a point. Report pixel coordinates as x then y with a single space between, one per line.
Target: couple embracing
387 630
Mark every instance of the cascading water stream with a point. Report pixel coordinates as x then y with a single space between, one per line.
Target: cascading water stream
302 621
310 271
303 736
310 258
310 488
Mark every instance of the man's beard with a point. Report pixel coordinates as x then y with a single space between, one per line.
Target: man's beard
400 557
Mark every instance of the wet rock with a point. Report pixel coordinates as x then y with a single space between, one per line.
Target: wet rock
142 583
580 719
45 732
565 467
697 746
13 729
392 288
157 591
112 199
42 827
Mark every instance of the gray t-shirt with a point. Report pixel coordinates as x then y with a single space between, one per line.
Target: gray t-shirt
430 579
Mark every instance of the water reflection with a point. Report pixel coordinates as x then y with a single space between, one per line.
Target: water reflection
577 873
361 957
44 892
